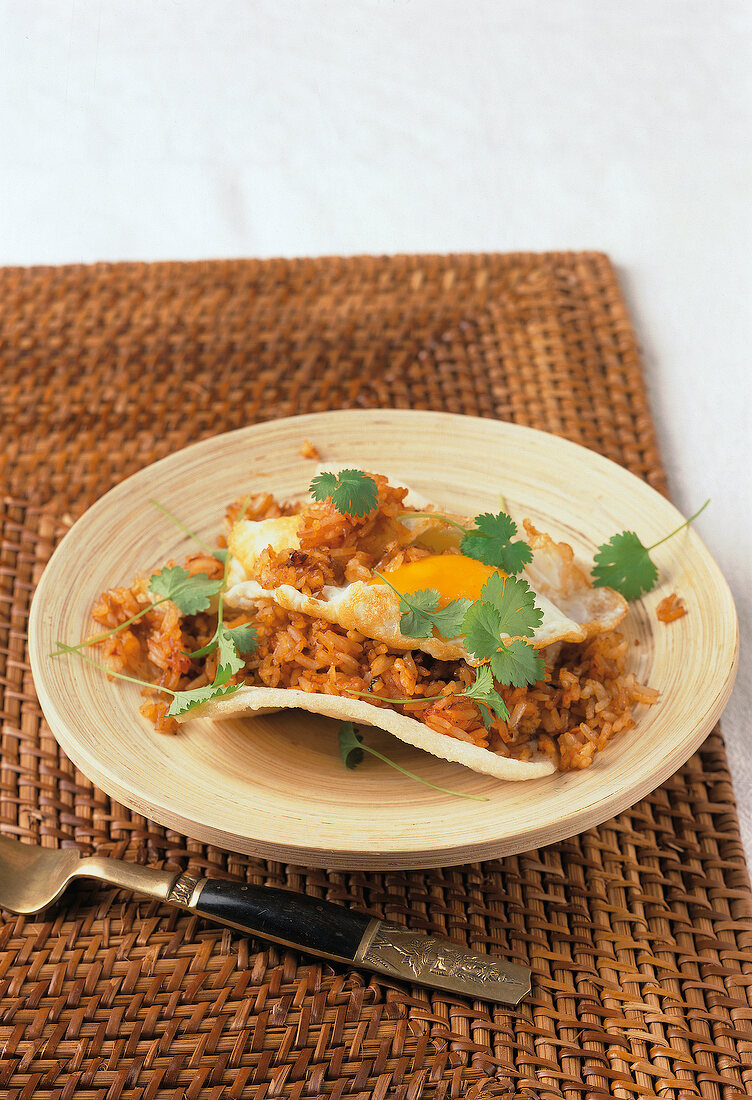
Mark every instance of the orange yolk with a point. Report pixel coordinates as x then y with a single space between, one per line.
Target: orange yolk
453 576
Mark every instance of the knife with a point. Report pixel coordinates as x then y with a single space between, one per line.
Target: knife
32 877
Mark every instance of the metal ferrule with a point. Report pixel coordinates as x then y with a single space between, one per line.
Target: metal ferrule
186 890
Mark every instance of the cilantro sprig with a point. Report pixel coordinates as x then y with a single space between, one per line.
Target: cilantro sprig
485 694
351 749
352 492
421 613
624 563
481 691
506 606
182 701
229 660
489 540
230 641
190 593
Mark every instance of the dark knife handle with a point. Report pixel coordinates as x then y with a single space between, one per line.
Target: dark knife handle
296 920
333 932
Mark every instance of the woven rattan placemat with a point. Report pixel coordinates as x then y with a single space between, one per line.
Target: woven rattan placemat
638 932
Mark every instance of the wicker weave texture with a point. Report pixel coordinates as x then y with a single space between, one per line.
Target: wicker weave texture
639 932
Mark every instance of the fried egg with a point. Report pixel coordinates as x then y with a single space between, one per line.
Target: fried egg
572 609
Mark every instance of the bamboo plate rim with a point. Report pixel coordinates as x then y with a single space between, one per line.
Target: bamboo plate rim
274 787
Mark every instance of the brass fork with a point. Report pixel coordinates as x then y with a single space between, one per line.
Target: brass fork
32 878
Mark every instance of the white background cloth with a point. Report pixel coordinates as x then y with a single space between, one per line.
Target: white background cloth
149 129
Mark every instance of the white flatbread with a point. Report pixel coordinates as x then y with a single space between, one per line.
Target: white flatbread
250 700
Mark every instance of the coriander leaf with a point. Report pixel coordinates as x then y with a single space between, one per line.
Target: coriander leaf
205 649
490 541
482 628
421 612
497 705
244 637
624 563
417 610
448 620
484 692
517 664
229 661
323 485
514 599
507 606
485 714
190 594
183 701
352 492
349 746
351 749
483 683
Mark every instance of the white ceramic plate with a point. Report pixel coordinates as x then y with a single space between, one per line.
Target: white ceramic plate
275 786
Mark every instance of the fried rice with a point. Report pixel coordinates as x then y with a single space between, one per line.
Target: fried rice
586 697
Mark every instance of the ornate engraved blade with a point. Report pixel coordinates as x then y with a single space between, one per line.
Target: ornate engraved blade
415 957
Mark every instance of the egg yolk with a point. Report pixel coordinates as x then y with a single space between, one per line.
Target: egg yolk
453 576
